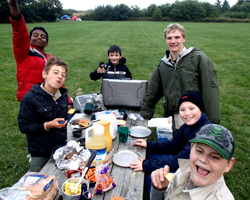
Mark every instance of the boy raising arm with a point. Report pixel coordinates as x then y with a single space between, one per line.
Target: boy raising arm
29 52
201 177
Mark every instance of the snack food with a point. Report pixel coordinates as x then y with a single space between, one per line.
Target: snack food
84 122
90 176
70 189
117 198
169 176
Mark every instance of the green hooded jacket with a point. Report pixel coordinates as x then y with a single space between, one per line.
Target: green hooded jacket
194 71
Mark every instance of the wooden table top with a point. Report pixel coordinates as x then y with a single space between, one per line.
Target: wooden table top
129 184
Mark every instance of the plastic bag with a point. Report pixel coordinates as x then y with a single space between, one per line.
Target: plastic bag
33 186
104 182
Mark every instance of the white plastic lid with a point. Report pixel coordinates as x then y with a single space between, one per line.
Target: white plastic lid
98 129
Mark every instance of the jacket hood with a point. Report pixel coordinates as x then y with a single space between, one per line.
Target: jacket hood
188 51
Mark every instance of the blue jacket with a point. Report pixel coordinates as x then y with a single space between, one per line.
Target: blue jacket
38 107
179 146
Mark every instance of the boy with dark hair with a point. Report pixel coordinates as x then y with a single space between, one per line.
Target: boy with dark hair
28 51
43 113
114 69
201 177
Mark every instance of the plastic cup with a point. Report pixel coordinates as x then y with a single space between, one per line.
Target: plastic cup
123 133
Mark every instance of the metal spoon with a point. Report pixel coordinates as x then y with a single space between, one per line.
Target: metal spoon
86 169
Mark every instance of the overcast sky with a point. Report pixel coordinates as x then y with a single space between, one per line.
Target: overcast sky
92 4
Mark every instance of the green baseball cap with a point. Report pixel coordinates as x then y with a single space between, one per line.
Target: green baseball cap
218 137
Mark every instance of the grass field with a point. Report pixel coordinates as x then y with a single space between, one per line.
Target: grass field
84 44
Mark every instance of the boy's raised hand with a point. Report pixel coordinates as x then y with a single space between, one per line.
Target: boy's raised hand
158 180
13 7
100 70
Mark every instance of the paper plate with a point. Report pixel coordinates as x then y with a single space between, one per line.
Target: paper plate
139 131
124 157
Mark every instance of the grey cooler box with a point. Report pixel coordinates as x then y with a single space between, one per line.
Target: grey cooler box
127 93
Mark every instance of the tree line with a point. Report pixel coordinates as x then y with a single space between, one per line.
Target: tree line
188 10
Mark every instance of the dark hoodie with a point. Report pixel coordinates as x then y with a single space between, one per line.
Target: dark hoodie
179 146
37 107
120 71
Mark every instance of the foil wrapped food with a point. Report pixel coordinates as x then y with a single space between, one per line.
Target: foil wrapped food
72 156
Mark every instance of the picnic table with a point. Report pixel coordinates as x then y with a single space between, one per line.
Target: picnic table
129 184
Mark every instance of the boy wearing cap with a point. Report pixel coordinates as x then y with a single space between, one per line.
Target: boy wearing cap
201 177
159 154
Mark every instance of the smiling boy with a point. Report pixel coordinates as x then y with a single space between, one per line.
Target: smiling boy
41 110
115 68
201 177
180 70
29 52
159 154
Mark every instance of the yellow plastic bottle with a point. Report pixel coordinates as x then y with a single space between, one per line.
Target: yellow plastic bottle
107 135
95 140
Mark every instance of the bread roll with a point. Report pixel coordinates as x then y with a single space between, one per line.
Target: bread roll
84 122
45 188
117 198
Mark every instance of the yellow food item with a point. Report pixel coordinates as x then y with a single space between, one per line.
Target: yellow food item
84 122
169 176
69 188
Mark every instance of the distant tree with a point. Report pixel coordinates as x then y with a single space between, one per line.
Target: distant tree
218 5
225 6
151 9
5 11
240 2
157 15
244 7
121 12
187 11
165 9
211 10
135 11
100 13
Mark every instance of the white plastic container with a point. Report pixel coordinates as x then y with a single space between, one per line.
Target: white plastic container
113 123
95 140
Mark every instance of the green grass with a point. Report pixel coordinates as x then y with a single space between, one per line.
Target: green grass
84 44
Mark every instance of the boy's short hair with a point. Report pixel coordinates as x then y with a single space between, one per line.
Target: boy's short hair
42 29
218 137
55 61
114 48
174 27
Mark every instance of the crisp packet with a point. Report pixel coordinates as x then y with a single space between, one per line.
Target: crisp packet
104 182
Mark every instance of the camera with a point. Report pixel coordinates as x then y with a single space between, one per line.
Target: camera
103 65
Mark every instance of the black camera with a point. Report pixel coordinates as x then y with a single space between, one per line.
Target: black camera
103 65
